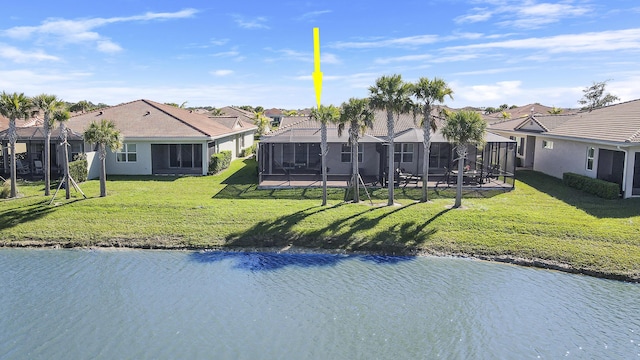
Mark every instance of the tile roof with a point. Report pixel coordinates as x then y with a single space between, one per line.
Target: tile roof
149 119
4 122
304 129
614 123
244 115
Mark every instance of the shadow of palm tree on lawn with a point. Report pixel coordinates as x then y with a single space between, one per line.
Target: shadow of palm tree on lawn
343 234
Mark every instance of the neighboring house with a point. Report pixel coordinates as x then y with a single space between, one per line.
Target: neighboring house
30 148
294 149
603 144
275 114
158 138
30 143
244 115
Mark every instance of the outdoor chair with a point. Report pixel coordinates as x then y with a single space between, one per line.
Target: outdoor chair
37 164
21 168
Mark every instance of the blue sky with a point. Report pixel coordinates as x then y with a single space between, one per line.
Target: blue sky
239 52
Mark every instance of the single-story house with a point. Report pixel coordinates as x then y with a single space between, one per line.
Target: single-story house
157 139
294 149
603 143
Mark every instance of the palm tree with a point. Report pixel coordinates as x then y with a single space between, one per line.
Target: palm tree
555 111
61 116
463 128
82 106
261 121
105 135
325 115
358 116
428 93
391 94
48 104
14 106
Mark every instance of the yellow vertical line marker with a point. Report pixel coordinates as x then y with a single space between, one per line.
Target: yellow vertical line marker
317 74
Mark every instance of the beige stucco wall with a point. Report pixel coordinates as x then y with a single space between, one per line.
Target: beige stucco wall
566 156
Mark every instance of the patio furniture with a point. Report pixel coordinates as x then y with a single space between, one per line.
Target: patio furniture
21 168
37 164
406 178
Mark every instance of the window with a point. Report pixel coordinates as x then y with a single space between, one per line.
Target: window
547 144
591 154
185 155
127 153
76 149
345 152
403 153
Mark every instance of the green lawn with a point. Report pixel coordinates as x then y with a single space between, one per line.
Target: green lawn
541 220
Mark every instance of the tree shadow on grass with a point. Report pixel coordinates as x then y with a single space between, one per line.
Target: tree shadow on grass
402 238
591 204
12 217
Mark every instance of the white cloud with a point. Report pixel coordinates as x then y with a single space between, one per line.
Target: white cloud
19 56
515 93
524 14
490 71
222 72
288 54
107 46
219 42
409 41
80 31
479 15
255 23
233 53
312 15
426 58
616 40
35 82
405 58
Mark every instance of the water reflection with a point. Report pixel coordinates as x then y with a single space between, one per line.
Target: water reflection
269 261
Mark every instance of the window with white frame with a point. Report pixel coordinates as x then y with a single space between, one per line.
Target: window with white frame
127 153
345 152
403 152
591 154
546 144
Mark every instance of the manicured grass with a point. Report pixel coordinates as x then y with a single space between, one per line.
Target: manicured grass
541 220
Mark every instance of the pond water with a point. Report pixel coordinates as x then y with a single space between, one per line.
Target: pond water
106 304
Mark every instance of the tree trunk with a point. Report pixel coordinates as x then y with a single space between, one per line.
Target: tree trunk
461 150
12 146
323 153
355 171
14 175
103 171
47 157
426 142
67 190
391 173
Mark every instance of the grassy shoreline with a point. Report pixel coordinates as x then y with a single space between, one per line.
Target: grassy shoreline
541 223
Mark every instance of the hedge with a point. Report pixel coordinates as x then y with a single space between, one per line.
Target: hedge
219 162
249 151
601 188
78 169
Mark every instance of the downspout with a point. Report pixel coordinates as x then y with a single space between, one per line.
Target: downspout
624 171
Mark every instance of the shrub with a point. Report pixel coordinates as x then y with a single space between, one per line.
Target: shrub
249 151
601 188
78 169
219 162
5 189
